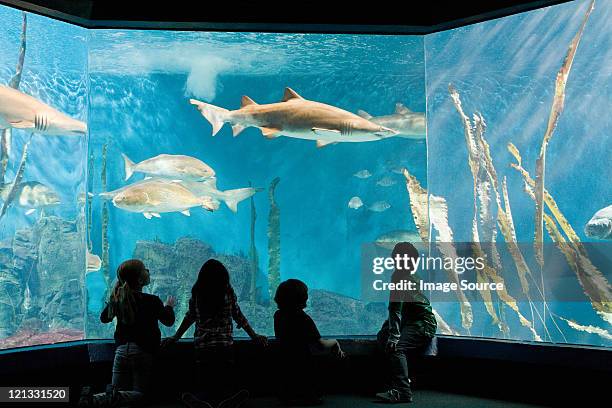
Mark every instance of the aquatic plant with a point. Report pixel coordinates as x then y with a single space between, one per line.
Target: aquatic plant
555 113
274 256
17 180
253 257
89 200
484 181
6 138
593 282
431 212
105 243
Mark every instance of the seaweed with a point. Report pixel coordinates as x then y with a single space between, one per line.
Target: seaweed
6 138
443 327
17 180
89 201
593 282
485 180
553 119
428 208
105 244
274 256
253 257
588 329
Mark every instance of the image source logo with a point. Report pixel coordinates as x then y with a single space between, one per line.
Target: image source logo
442 269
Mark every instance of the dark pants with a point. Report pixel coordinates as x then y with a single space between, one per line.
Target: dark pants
411 339
215 374
297 373
132 370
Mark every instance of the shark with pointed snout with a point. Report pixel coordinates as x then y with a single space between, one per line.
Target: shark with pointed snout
408 124
22 111
295 117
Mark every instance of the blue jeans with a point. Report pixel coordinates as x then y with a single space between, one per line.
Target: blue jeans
132 370
411 338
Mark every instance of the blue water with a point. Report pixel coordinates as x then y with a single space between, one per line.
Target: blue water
133 89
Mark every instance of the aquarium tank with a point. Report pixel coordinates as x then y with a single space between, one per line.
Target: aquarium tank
299 156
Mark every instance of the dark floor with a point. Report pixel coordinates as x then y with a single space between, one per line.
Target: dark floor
423 398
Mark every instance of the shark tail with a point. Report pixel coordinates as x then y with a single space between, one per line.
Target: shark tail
233 197
129 166
215 115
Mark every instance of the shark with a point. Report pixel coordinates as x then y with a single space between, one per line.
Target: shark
22 111
408 124
295 117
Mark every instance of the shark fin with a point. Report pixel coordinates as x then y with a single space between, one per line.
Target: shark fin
186 212
290 94
326 132
129 166
147 215
401 109
156 215
236 129
246 101
22 124
215 115
269 133
364 114
30 211
323 143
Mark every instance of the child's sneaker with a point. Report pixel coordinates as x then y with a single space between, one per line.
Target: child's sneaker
394 397
86 399
193 402
235 400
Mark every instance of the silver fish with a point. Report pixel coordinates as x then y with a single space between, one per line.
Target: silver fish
600 225
154 196
31 195
170 166
379 206
386 182
408 124
295 117
362 174
21 111
355 203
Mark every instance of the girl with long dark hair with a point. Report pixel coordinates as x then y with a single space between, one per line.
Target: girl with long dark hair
137 336
213 307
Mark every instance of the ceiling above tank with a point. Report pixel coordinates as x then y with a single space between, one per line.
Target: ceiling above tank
385 17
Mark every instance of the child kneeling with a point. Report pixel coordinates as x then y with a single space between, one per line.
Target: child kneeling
298 338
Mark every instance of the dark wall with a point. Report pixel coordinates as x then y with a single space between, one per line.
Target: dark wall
537 373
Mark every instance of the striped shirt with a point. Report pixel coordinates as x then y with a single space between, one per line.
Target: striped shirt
217 330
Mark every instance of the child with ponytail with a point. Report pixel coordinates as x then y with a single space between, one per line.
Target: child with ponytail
137 336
